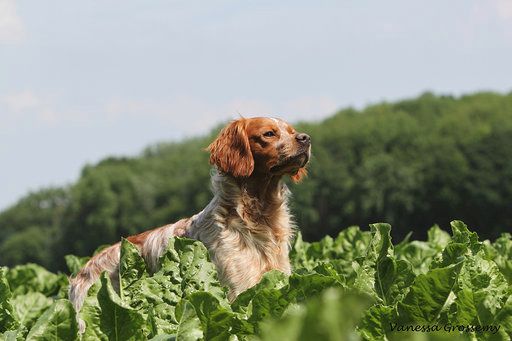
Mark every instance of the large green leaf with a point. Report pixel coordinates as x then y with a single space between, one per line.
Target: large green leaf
156 297
331 316
501 252
265 299
428 295
189 324
419 253
504 319
7 316
380 244
378 273
305 285
392 278
298 252
216 320
187 262
132 268
12 335
376 322
438 238
109 318
184 269
483 291
28 307
34 278
350 244
461 234
58 323
365 267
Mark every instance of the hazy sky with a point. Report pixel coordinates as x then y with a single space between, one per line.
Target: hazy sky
81 80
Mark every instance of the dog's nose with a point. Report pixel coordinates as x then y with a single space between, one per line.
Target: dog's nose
303 138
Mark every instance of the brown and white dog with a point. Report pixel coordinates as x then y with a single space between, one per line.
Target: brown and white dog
246 227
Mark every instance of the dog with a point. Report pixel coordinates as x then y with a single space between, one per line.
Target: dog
247 227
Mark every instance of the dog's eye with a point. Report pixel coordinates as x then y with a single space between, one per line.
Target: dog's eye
269 133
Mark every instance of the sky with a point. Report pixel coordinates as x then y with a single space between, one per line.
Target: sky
80 81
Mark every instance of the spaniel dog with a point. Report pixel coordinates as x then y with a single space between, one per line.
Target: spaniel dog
246 227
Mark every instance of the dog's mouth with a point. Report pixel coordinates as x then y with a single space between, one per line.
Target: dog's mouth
291 164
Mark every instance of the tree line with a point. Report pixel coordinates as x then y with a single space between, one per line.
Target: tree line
412 163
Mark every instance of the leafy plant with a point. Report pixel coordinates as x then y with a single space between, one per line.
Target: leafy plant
357 286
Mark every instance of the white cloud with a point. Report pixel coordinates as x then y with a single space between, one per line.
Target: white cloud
193 115
26 105
503 8
298 108
20 101
11 26
187 115
484 11
310 107
183 115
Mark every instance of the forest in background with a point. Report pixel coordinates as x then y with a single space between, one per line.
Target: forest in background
412 163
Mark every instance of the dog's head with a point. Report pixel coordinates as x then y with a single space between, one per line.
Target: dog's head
263 146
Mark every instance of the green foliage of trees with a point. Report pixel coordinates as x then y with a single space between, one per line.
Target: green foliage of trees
412 163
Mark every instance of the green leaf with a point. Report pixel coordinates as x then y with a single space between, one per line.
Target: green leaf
464 244
28 307
380 244
264 299
453 253
57 323
376 271
348 245
483 291
364 280
331 316
504 319
132 268
438 238
7 316
34 278
376 322
12 335
306 285
119 321
501 252
187 262
462 235
420 254
156 297
428 295
392 278
189 324
298 253
351 243
216 320
109 318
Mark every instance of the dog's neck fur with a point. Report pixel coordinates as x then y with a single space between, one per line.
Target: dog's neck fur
255 201
251 212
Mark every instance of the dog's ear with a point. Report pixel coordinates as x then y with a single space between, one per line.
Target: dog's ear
301 173
231 151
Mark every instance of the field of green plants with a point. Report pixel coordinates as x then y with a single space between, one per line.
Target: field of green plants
358 286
